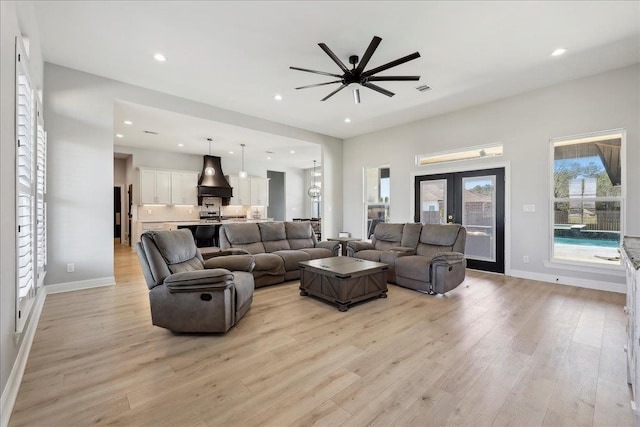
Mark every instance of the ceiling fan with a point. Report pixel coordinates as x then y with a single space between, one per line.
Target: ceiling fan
358 74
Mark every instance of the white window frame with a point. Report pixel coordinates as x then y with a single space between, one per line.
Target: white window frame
581 265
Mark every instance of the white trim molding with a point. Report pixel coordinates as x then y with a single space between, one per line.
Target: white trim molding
10 392
80 284
620 288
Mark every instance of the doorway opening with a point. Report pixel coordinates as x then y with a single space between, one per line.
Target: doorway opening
117 214
475 199
277 208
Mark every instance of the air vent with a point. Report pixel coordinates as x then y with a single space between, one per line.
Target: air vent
150 132
423 88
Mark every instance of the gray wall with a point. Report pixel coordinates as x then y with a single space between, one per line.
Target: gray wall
79 109
524 124
16 18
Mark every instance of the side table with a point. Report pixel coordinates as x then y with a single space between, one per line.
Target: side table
343 242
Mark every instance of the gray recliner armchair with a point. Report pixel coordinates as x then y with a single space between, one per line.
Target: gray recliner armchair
184 295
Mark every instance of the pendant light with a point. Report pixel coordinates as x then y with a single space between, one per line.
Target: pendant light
314 190
209 170
243 173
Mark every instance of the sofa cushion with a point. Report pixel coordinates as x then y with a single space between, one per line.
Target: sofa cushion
242 233
411 235
369 254
413 267
439 234
270 263
387 236
273 236
300 235
175 246
291 258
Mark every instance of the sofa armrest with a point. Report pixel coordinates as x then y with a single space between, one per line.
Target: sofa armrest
332 246
353 247
199 280
231 262
227 252
448 258
390 255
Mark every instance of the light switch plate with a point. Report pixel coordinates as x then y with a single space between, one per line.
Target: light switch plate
528 208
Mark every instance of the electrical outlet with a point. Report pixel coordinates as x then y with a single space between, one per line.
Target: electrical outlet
149 211
190 211
525 259
71 267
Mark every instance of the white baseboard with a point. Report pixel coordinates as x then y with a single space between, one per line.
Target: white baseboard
57 288
10 392
620 288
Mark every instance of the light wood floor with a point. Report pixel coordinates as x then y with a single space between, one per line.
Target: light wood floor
496 351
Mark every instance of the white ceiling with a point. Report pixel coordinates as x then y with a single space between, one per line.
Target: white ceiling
236 54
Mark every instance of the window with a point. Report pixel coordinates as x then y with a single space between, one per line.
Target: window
588 198
377 195
25 217
472 153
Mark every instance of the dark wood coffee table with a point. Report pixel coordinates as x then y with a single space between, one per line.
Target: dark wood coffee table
343 280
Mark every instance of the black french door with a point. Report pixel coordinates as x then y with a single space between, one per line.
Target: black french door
474 199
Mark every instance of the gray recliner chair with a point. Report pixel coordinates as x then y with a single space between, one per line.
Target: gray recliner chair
185 296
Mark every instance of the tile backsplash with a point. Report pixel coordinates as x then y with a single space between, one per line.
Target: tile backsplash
147 213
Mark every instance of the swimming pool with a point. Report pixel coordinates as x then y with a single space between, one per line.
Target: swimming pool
586 242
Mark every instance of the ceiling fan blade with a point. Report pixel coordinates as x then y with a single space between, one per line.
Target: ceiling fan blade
319 84
334 57
377 89
391 64
316 72
334 92
368 53
393 78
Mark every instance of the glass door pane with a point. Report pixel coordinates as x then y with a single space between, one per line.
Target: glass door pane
433 201
479 216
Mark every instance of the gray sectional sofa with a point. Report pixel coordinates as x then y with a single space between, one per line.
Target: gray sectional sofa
427 258
276 247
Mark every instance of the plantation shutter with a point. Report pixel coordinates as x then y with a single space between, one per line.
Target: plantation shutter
24 189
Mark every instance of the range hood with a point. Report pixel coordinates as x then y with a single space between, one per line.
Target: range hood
212 182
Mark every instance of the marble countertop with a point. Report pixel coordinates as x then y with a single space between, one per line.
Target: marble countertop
631 246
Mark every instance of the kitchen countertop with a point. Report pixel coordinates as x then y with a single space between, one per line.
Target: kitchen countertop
210 222
631 246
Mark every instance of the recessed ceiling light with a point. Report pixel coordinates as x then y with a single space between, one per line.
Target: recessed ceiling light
128 122
230 152
278 97
180 145
559 51
292 151
347 120
159 57
119 135
268 158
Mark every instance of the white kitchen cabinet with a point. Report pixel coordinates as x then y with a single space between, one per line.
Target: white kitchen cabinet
241 190
631 261
155 187
184 188
259 192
